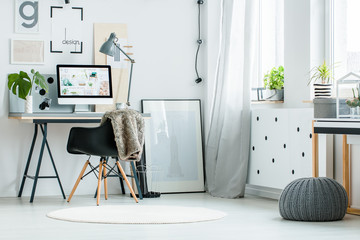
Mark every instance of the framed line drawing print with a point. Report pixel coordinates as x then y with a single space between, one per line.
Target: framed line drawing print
27 51
26 16
173 145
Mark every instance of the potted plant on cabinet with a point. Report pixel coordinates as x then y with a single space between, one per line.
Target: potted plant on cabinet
21 85
321 76
274 84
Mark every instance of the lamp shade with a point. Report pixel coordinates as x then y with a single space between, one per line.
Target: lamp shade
108 47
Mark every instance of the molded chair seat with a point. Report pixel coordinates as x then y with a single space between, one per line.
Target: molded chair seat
98 141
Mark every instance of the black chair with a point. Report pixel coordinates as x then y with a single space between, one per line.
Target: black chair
99 141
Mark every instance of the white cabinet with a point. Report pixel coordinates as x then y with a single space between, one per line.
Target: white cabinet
281 146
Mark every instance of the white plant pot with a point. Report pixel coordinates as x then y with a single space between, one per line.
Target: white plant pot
323 90
274 95
29 104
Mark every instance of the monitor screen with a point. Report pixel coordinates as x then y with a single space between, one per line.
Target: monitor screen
84 84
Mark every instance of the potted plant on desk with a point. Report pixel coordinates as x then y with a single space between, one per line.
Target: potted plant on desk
274 84
354 104
22 85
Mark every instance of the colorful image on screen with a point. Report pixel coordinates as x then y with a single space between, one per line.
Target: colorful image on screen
84 81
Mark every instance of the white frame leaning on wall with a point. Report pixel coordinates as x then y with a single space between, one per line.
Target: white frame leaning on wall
173 145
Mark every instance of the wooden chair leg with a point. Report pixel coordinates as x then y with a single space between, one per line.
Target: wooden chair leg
99 182
105 182
126 181
78 180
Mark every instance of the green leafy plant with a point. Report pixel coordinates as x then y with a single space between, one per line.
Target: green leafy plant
275 78
322 73
21 84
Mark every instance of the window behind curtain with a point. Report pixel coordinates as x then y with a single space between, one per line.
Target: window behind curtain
271 38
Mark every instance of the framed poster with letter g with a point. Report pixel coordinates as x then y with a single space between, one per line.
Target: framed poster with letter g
26 16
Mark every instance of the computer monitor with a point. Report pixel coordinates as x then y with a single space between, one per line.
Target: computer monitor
84 84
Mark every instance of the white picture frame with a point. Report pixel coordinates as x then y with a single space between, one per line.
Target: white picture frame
26 16
173 146
28 51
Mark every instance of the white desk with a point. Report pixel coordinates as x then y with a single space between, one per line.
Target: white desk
336 126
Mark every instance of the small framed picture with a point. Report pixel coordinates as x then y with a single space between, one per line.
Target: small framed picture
27 51
26 16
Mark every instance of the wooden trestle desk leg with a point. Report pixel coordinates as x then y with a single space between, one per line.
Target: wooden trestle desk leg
346 180
346 176
315 152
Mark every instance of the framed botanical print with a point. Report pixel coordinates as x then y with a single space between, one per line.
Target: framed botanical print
173 145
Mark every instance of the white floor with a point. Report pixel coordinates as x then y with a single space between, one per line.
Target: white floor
248 218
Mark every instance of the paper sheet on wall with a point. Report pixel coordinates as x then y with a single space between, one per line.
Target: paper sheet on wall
120 76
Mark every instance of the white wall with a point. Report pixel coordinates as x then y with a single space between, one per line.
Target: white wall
163 33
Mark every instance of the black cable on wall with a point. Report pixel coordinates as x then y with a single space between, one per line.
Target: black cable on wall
199 42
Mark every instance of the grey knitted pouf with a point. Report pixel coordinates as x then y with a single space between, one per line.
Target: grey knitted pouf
313 199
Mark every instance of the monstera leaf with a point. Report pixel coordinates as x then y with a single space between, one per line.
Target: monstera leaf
40 80
19 84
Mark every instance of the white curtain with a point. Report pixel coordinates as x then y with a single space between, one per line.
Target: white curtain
228 141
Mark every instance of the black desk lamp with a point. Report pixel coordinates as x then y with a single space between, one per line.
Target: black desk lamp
108 48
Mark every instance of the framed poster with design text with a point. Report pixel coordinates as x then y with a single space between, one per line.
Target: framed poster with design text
26 16
67 24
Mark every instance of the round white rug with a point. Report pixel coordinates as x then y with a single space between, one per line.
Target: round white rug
136 214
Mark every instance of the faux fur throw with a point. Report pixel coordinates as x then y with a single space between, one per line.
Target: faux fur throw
129 128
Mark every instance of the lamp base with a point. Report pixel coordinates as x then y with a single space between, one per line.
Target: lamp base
120 106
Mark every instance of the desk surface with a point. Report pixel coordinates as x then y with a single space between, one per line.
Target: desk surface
337 120
43 116
337 126
86 117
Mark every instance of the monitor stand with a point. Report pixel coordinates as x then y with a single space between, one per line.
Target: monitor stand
82 108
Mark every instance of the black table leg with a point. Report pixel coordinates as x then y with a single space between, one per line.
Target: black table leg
121 182
52 160
28 161
136 179
36 177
